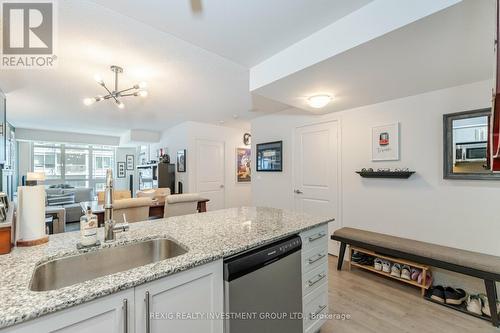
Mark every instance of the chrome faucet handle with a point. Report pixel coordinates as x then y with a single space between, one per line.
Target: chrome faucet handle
121 227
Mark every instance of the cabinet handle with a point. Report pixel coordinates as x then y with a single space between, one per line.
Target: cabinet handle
318 257
314 314
320 277
148 324
316 237
125 316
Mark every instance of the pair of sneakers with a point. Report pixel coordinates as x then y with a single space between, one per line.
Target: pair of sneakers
478 304
382 265
401 271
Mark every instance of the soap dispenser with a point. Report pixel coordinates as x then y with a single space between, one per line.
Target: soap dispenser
88 229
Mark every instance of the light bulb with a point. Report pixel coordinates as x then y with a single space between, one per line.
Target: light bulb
120 105
88 101
98 79
143 85
319 101
143 93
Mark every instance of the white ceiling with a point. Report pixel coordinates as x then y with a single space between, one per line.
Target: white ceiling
244 31
450 48
185 82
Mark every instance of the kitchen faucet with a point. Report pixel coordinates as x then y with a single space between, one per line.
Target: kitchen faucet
110 226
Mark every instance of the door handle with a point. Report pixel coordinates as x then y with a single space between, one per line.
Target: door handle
319 256
316 237
314 314
148 323
298 192
221 186
125 316
319 277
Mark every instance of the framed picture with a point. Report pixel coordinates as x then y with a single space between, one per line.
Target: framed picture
385 142
121 170
130 162
181 160
270 156
243 165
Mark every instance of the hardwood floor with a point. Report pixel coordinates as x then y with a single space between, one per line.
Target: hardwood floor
379 304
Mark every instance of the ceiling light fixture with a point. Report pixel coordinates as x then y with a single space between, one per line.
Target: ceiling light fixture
135 90
319 101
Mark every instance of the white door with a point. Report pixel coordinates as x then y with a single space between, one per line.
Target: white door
210 172
316 173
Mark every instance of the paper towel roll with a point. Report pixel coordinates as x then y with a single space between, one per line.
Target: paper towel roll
31 213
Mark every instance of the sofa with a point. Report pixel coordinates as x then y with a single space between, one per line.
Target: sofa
72 207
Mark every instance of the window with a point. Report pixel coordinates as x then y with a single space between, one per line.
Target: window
47 159
76 162
75 165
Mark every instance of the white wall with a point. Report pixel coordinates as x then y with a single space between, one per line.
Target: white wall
184 136
174 139
425 207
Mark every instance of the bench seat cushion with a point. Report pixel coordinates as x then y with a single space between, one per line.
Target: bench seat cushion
475 260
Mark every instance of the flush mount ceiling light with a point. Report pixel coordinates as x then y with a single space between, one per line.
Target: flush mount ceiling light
319 101
116 95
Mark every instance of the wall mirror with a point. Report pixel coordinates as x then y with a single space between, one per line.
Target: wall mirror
466 145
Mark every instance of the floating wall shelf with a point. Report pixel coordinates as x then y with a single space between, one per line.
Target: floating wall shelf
386 174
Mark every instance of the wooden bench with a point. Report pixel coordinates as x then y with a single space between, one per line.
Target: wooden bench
482 266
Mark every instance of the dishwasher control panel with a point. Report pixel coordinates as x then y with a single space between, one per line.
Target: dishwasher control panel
244 263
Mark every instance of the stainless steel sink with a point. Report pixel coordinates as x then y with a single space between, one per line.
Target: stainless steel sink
70 270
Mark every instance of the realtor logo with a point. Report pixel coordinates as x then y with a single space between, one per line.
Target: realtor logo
28 34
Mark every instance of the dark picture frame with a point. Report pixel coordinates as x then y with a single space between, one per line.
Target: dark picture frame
448 147
181 160
129 162
269 156
120 170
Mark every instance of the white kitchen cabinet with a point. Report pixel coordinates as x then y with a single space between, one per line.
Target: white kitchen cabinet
314 277
193 294
107 314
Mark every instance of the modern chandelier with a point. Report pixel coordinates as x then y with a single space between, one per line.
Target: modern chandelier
116 95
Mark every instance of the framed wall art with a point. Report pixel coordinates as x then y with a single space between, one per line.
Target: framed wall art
130 162
181 160
270 156
243 165
385 142
120 170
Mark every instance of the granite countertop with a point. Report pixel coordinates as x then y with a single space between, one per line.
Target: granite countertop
207 237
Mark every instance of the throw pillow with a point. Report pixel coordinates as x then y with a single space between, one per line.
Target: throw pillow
60 199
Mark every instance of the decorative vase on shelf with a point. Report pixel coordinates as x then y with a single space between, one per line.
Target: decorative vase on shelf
165 158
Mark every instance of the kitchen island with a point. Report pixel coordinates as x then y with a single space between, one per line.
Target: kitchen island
207 238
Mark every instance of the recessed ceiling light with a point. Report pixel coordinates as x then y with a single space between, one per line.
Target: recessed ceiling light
319 101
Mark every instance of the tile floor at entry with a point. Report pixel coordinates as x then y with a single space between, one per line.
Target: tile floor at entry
381 305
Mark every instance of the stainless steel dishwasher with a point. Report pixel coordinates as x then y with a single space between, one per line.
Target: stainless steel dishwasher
263 289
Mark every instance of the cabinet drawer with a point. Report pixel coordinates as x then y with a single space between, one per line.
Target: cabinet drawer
316 303
317 236
315 278
314 258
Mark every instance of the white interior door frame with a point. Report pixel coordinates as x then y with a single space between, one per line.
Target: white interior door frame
339 218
